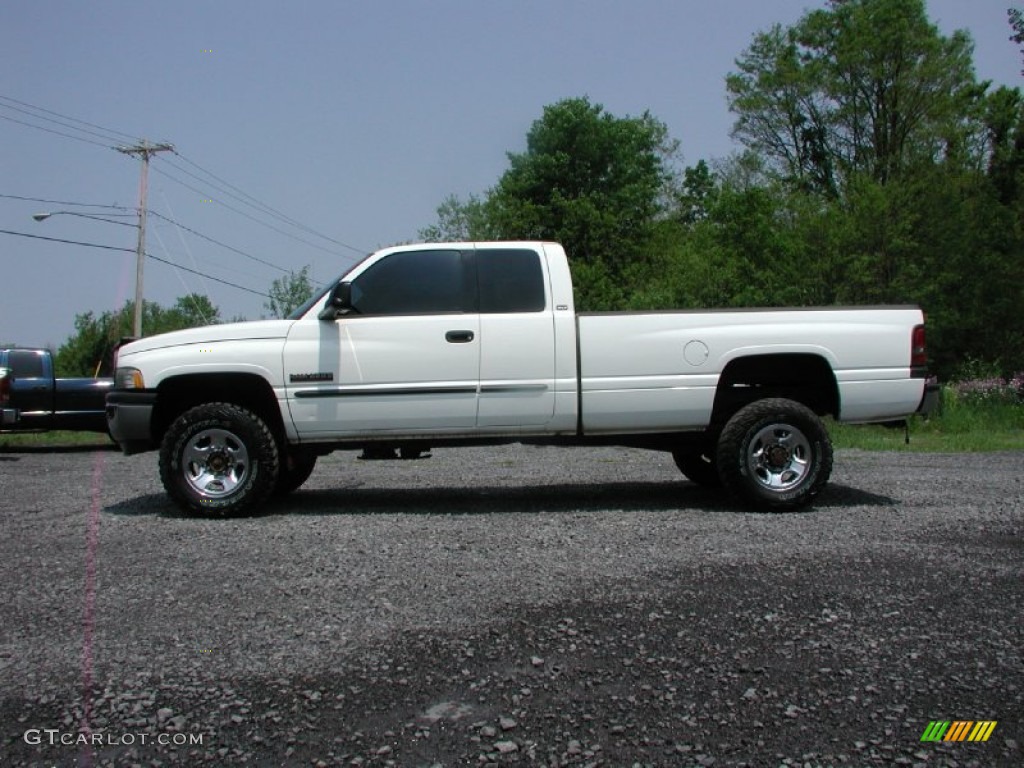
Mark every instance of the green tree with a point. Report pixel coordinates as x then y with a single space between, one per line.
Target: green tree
189 311
90 349
697 193
864 87
1004 121
289 292
1017 24
901 177
590 180
459 221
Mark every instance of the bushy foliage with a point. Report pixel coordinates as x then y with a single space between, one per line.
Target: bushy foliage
90 350
875 170
289 292
589 180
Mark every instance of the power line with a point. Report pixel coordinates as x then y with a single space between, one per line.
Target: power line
68 117
132 250
59 122
209 277
273 211
71 242
246 215
67 202
110 134
217 242
58 133
191 295
143 147
261 207
181 278
152 213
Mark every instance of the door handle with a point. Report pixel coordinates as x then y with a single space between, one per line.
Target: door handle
458 337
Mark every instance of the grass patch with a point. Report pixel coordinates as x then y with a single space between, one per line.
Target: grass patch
13 441
961 424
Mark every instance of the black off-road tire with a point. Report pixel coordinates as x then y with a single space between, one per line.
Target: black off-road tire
774 455
296 467
219 460
698 465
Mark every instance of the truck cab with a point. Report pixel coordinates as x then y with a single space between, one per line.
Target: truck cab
436 340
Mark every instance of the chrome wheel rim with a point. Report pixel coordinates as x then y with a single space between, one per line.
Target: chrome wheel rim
215 462
779 457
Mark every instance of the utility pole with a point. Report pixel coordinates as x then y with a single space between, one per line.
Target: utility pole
144 151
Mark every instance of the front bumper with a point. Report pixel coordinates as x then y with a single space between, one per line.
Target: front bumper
930 398
129 418
9 416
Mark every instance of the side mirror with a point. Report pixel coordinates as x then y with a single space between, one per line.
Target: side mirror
339 303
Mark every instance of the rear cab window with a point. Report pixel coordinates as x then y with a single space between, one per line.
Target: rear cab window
510 280
26 364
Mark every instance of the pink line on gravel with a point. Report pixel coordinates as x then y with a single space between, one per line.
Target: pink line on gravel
92 532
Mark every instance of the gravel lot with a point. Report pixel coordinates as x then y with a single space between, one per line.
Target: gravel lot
517 605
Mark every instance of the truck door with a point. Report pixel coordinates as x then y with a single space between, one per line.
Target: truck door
405 359
32 388
517 334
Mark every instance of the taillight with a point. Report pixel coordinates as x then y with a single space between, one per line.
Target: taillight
5 385
918 350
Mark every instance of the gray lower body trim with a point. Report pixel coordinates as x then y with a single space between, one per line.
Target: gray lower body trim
402 392
486 389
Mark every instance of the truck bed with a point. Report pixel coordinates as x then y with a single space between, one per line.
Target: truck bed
644 371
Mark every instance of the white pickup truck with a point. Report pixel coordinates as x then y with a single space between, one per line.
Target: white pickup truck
478 343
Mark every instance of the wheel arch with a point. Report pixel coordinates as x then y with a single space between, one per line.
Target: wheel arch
807 378
177 394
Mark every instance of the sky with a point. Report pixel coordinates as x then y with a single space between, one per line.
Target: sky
330 128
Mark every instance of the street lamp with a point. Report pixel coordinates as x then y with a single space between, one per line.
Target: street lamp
137 329
47 214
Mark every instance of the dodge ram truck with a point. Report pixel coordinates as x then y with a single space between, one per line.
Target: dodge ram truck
33 398
479 343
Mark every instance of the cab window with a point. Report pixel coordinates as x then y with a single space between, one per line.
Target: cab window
413 283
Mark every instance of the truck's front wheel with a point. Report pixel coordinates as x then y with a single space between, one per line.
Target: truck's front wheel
219 459
775 454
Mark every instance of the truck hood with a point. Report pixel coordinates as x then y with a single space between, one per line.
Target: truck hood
256 329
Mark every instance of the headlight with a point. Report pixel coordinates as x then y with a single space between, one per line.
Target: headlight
129 378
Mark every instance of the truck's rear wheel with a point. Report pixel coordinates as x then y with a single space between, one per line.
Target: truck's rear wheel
699 465
219 459
775 454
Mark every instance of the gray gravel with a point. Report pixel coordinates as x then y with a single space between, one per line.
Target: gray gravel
518 605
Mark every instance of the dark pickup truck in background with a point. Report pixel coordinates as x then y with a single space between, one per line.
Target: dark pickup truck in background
33 398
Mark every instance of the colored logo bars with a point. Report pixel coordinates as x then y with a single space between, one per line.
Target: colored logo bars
959 730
